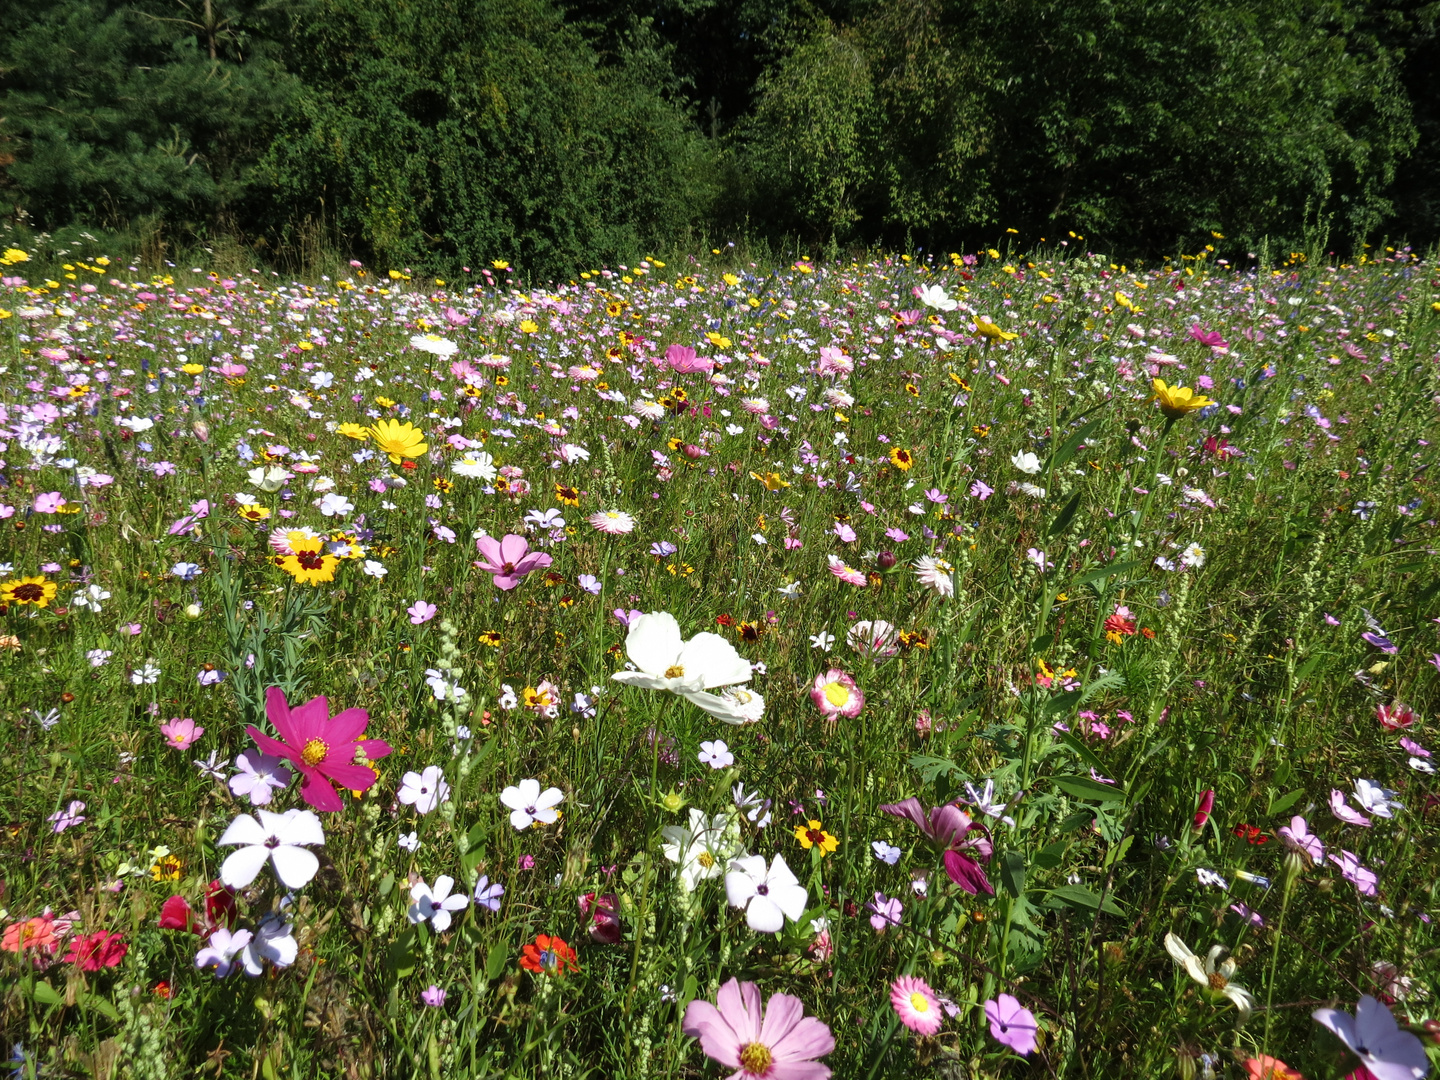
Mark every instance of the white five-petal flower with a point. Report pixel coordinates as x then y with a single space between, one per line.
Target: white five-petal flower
278 839
768 896
528 804
435 905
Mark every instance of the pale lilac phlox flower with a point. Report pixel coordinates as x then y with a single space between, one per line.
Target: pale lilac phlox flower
1377 1040
259 777
1011 1023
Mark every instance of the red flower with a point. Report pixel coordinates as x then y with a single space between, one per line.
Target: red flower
102 949
220 905
322 747
1117 624
1251 834
1395 717
1203 808
548 955
177 914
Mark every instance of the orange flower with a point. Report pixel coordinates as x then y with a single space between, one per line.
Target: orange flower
1266 1067
548 955
36 933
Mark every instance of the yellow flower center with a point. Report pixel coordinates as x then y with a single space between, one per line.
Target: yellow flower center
756 1058
837 694
706 860
1218 982
674 671
314 752
919 1003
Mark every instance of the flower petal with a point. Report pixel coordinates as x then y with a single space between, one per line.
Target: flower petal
294 866
654 642
244 830
242 866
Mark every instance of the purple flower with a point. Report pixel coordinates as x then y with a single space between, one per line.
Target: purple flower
209 675
488 893
981 490
433 996
259 777
1342 810
420 612
1252 917
1011 1024
1376 1039
1364 879
1298 837
69 817
625 618
663 548
590 583
887 912
1381 642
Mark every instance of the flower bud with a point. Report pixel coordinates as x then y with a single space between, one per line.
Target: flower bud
886 560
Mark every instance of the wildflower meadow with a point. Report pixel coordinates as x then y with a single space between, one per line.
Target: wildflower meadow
962 666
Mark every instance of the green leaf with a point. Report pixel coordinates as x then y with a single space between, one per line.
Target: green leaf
1065 516
1062 703
387 883
1078 896
1104 572
931 767
1012 873
1068 448
1283 802
1077 821
44 994
1051 855
99 1004
1082 787
1086 754
496 960
1118 851
400 958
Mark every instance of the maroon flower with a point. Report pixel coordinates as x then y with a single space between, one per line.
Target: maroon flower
322 747
601 914
950 830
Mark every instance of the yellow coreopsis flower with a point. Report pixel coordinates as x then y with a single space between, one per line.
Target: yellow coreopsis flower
354 431
309 564
992 332
812 834
28 590
771 480
1176 401
13 256
399 440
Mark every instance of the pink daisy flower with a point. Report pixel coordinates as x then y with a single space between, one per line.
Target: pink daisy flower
835 694
613 522
845 573
916 1005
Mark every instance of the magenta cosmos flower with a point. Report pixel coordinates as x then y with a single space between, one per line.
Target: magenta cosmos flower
509 559
775 1043
1011 1023
323 748
950 829
916 1005
835 694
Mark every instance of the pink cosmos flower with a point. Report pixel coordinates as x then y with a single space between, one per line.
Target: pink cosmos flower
509 559
323 748
1011 1023
1395 716
683 359
181 732
774 1043
847 574
916 1005
949 828
835 694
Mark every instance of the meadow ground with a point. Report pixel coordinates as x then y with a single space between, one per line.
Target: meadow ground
999 666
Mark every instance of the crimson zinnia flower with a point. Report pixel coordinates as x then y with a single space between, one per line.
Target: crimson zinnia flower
102 949
322 747
548 955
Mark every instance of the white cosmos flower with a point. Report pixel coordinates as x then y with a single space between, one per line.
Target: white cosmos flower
277 839
701 848
1216 979
1026 462
934 296
768 896
528 804
435 905
666 661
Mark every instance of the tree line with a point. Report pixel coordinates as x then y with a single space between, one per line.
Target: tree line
553 133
